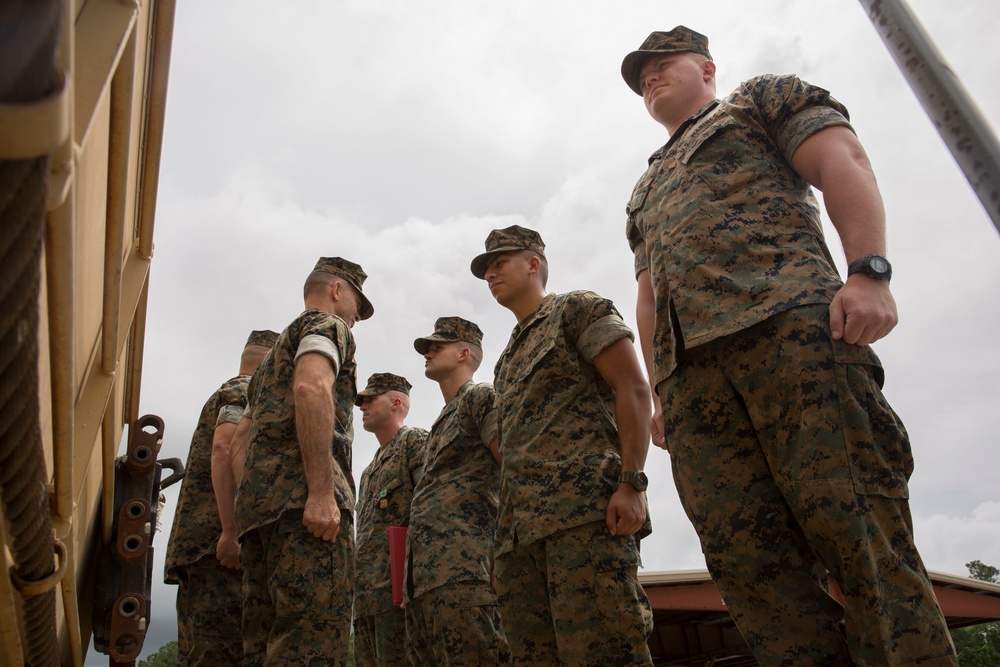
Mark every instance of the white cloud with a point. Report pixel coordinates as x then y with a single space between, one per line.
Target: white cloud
949 542
398 134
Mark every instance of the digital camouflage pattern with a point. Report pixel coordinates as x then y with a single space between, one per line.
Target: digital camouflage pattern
353 274
453 513
789 462
561 462
660 43
209 609
380 639
729 232
786 457
510 239
261 338
297 594
196 526
384 500
577 600
273 478
558 436
380 383
450 330
457 625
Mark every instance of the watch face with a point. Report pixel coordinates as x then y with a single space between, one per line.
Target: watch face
636 479
878 264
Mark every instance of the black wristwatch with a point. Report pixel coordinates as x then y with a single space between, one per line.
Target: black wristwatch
873 266
635 478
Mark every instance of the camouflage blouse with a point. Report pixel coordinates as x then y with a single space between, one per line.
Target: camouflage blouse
196 526
558 436
453 514
384 500
729 232
273 477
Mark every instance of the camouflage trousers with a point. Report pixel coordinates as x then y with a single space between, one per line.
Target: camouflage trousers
456 625
574 599
380 639
298 592
208 614
791 464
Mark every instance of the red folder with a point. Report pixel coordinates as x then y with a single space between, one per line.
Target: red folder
397 560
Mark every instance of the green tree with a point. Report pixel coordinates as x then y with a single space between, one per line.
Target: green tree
165 656
983 572
979 645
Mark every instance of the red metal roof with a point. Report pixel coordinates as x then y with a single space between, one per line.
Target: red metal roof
692 625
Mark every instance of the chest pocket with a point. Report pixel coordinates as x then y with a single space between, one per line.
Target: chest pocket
641 190
725 156
531 360
386 493
547 365
634 230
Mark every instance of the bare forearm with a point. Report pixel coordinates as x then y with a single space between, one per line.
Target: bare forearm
222 478
238 451
620 368
645 316
314 419
632 411
855 208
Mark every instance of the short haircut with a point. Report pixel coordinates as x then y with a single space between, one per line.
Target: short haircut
475 354
404 400
318 280
253 352
543 265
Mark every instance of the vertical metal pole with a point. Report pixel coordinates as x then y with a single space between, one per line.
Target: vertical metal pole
960 123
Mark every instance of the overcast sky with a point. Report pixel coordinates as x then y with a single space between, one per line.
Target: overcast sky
398 134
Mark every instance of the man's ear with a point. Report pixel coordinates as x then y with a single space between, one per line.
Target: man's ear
708 70
335 288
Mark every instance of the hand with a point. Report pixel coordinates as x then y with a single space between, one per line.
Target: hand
656 432
227 551
862 311
626 511
321 516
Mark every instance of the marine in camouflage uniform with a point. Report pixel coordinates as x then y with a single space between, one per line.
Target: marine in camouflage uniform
787 457
295 499
208 593
451 608
574 413
383 500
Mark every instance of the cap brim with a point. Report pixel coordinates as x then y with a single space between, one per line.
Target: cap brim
480 262
366 310
421 345
632 66
362 394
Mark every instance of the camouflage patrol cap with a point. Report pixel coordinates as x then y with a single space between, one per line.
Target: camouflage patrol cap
450 330
379 383
510 239
657 44
261 338
353 274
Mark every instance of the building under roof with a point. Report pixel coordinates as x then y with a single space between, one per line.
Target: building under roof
692 627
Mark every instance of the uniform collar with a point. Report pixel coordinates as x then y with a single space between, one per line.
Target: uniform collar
543 310
692 119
